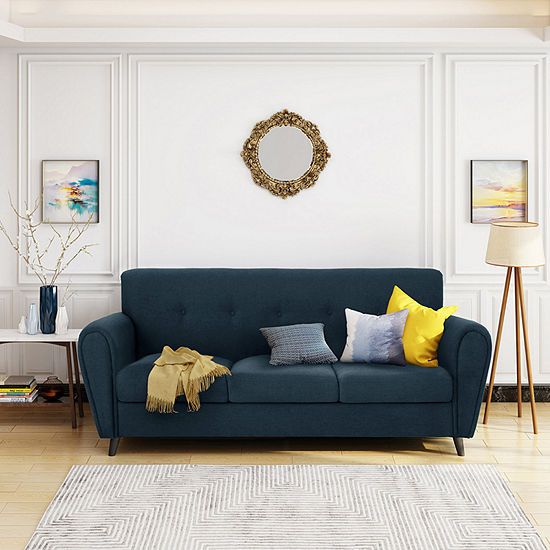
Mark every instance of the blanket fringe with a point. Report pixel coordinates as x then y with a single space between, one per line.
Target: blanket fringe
202 384
156 404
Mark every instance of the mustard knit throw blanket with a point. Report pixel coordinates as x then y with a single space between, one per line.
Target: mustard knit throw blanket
180 372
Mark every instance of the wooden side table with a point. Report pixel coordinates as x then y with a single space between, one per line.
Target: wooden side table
67 341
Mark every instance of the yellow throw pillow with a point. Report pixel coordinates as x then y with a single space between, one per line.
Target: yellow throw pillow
423 329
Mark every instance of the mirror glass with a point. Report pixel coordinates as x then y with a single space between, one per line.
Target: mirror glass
285 153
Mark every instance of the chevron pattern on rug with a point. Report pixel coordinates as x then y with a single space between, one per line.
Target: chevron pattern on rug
193 507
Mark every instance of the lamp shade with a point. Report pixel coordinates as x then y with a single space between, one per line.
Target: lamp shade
515 244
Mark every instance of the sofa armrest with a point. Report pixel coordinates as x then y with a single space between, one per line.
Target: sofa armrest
104 347
465 351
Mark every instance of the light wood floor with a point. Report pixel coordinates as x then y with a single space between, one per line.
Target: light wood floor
38 446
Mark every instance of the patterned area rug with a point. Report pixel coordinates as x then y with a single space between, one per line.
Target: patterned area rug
285 507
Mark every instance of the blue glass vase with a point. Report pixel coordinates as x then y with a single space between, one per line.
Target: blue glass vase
48 309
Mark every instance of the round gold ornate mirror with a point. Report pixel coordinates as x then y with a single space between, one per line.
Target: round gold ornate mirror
285 153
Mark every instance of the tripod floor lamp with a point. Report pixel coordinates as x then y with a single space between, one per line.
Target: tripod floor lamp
514 245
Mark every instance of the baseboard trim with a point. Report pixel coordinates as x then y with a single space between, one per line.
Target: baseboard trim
508 394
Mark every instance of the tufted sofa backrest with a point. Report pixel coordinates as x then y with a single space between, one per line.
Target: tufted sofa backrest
220 311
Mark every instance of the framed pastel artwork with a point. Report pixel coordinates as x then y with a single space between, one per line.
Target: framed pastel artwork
70 191
498 190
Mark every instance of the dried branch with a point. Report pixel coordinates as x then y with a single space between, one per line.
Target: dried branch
81 250
31 229
24 256
34 255
67 294
73 234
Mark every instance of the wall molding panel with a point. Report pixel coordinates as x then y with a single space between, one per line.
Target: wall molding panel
36 359
456 175
6 315
540 322
29 180
43 360
468 302
138 62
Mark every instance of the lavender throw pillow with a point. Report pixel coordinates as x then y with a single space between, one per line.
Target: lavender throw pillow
375 339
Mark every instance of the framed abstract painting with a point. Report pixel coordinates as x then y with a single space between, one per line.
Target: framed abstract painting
70 191
499 190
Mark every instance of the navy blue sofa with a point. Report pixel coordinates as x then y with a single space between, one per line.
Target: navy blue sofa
220 311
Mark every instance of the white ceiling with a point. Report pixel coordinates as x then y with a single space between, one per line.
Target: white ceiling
503 22
275 13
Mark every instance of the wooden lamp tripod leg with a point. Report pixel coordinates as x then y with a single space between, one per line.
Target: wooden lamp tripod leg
518 336
497 343
519 281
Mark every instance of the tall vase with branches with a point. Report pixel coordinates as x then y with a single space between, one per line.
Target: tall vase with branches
36 256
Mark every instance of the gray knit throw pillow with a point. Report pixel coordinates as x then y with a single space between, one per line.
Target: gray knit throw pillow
297 344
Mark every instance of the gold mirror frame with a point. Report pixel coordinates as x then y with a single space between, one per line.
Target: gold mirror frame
281 188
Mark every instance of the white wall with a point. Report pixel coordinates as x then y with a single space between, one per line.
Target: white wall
168 129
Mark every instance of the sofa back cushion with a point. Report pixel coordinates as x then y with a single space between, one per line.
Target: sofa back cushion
220 311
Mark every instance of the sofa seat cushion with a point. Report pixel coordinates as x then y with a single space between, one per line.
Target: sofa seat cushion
254 380
375 383
131 382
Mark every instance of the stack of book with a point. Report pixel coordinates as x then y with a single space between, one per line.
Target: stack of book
18 389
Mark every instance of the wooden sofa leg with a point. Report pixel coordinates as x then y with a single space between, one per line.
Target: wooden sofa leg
459 444
113 445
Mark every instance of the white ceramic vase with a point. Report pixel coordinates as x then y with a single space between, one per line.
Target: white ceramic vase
32 320
61 321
